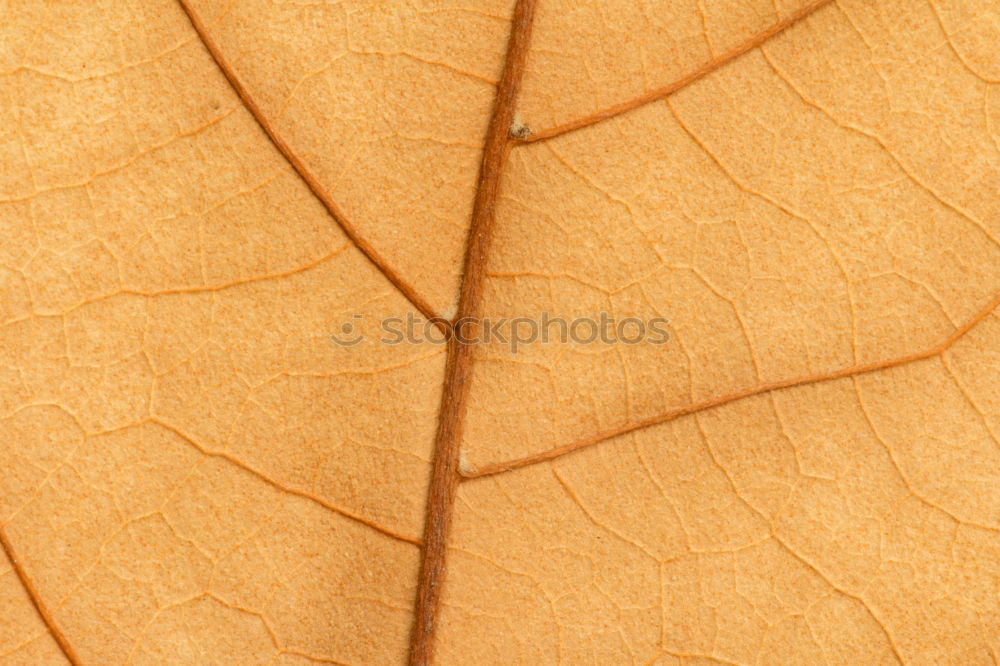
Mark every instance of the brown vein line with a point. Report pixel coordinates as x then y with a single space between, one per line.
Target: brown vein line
314 185
274 483
444 473
36 601
684 81
686 410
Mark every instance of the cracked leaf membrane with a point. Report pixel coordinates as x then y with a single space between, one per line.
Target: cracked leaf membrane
811 206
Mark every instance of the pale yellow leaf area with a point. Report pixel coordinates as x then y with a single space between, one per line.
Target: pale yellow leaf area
808 472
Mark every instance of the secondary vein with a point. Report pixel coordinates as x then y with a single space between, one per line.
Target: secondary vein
493 469
366 248
36 600
686 80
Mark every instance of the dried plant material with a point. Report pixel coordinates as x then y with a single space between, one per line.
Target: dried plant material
506 332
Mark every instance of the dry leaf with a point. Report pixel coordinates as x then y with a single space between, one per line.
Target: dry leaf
194 196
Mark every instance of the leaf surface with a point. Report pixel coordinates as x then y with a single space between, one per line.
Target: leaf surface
194 196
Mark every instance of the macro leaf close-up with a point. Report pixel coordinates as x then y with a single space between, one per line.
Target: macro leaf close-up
469 332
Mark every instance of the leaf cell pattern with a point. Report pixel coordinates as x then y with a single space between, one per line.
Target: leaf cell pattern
194 194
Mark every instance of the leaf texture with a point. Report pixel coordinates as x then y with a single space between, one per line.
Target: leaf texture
194 195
